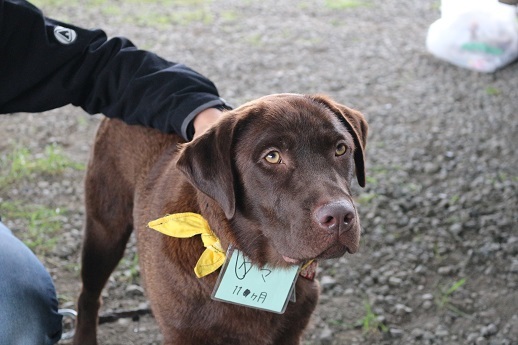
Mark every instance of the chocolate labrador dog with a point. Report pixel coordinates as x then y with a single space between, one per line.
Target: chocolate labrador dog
271 178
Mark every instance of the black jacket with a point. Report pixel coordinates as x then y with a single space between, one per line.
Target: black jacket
45 64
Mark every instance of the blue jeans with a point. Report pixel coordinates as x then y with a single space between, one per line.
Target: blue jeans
28 303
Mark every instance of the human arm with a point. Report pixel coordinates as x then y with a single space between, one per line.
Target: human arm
112 77
204 120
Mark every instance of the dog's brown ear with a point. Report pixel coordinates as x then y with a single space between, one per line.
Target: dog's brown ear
207 164
356 123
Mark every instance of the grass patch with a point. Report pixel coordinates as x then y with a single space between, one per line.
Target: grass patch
108 10
164 13
41 224
55 3
345 4
229 16
187 17
163 20
443 300
366 198
454 199
160 14
304 5
492 91
192 3
371 181
129 269
436 252
371 322
21 163
254 40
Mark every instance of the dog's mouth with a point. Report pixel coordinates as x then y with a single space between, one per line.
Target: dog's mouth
296 250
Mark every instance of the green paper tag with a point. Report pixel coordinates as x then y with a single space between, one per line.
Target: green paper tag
267 288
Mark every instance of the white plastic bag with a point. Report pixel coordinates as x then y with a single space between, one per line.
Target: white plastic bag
481 35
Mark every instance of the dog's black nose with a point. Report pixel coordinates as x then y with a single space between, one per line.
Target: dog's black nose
335 216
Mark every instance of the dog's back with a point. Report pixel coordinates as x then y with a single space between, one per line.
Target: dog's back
125 151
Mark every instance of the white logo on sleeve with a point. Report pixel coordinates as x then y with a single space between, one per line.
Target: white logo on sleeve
64 35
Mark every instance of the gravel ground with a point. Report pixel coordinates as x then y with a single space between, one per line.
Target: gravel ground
438 263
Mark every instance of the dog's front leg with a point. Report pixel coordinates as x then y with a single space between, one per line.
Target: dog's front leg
86 325
100 256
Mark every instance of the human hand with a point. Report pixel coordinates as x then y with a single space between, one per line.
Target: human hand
204 120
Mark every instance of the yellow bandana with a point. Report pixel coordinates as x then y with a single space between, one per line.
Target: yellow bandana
185 225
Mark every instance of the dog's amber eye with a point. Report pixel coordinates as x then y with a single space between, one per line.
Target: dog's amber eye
273 157
341 149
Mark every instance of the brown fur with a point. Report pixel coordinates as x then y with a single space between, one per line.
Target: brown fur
272 212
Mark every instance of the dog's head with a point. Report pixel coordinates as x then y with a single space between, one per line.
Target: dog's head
281 168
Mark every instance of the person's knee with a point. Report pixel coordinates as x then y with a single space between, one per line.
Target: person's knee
28 304
28 319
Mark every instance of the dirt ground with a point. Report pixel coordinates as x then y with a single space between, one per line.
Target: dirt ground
438 262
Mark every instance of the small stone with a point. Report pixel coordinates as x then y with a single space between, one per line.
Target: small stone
417 333
481 341
143 305
431 167
427 305
489 330
489 270
427 335
441 332
326 336
401 309
445 270
134 290
471 338
420 269
368 281
327 282
396 332
511 247
456 229
124 321
427 297
395 281
43 184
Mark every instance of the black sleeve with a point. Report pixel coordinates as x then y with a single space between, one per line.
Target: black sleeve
45 64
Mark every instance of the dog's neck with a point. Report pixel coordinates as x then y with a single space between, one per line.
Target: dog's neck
214 215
